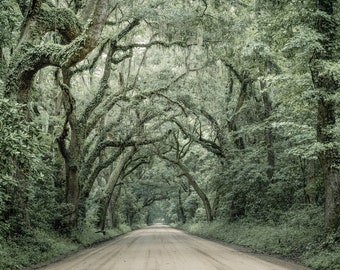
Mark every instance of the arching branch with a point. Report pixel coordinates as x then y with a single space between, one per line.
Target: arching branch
31 58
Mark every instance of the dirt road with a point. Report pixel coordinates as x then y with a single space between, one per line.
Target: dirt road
160 247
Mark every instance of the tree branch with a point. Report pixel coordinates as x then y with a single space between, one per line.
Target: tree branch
29 59
62 20
153 43
207 144
102 89
89 181
131 142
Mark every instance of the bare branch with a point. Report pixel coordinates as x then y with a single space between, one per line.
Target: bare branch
207 144
102 89
174 102
131 142
89 181
126 30
153 43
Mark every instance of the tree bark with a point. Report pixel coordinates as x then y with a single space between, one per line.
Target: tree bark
327 86
29 57
181 213
199 191
113 180
215 205
269 137
112 211
244 80
72 152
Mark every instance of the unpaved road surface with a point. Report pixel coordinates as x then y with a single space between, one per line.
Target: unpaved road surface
160 247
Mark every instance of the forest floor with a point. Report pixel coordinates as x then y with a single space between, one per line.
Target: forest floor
161 247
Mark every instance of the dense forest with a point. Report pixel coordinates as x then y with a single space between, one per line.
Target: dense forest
220 117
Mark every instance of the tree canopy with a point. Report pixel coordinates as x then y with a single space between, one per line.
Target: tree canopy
180 111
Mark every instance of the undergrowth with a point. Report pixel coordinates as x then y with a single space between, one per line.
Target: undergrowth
299 235
88 236
39 246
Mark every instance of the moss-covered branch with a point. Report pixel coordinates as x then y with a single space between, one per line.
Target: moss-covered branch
100 48
30 58
62 20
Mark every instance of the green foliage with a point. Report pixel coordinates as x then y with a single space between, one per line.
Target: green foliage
33 248
324 259
27 181
299 236
40 245
191 204
305 38
88 235
10 18
16 156
263 45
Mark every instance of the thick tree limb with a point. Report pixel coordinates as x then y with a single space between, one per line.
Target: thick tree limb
113 180
69 105
99 96
89 181
29 58
64 21
29 21
104 43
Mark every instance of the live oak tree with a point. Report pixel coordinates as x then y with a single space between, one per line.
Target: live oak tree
175 154
257 51
237 98
30 55
75 40
113 180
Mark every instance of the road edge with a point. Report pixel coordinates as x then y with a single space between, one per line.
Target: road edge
274 258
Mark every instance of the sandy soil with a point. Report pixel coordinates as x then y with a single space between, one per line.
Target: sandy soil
160 247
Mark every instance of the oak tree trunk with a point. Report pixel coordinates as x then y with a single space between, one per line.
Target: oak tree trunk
199 191
113 180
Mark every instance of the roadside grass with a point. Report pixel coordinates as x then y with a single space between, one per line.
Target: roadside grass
36 247
298 235
88 236
324 259
40 246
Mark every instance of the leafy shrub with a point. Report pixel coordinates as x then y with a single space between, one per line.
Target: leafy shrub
88 235
299 235
41 245
324 259
32 248
26 174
